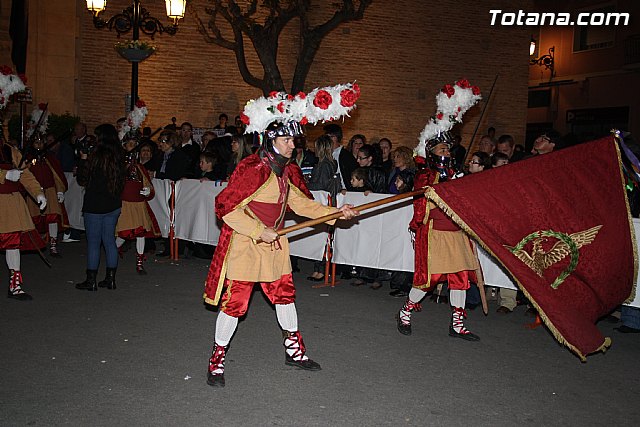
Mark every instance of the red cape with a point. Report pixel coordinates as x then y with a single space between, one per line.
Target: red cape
250 175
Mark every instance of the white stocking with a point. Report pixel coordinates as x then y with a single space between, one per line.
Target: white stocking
225 327
287 316
416 295
457 297
53 230
119 241
140 245
13 259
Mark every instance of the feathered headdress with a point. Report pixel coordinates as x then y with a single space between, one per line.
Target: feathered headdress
453 101
134 119
9 84
321 104
37 120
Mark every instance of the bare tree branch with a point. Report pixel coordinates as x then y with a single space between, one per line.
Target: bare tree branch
265 37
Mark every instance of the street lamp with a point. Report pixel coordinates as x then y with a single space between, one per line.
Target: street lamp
547 61
135 18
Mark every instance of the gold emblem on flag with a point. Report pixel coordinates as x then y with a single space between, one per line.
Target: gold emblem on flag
568 244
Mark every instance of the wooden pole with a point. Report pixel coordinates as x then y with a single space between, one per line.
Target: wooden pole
475 131
360 208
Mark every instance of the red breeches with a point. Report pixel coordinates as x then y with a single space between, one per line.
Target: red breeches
457 281
235 299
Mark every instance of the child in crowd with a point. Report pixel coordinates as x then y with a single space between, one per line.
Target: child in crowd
208 170
404 180
401 281
358 178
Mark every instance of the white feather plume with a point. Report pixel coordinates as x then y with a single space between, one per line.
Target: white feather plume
452 101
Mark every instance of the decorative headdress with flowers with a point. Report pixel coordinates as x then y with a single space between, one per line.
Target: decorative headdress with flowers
453 101
38 120
321 104
134 120
9 84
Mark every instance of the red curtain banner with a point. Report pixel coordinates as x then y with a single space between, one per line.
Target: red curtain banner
560 225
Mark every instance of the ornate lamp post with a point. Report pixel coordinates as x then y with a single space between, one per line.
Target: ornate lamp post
135 18
547 61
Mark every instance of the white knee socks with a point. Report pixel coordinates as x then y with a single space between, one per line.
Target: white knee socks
119 241
416 295
13 259
140 245
53 230
225 327
457 297
287 316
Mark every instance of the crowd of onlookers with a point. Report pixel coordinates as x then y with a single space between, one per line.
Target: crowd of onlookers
330 163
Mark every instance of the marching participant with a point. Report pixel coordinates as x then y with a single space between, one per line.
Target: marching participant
444 252
45 166
262 187
17 231
137 220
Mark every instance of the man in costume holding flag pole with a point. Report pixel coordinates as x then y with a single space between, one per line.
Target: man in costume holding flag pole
252 207
443 252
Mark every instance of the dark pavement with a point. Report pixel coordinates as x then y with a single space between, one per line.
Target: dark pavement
137 356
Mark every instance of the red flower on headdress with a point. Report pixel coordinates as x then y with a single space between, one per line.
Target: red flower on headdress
439 116
463 83
323 99
290 97
244 118
23 78
475 90
301 95
6 70
448 90
42 106
304 121
280 107
140 103
348 97
420 161
273 93
356 89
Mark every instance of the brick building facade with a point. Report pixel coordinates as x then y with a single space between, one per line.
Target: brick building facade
401 53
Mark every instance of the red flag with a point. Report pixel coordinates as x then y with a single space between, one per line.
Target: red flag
560 224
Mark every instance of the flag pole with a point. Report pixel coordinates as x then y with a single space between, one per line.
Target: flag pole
479 120
360 208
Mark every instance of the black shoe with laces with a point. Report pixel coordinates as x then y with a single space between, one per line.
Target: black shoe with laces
308 365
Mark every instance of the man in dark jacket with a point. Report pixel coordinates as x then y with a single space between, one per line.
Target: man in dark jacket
174 164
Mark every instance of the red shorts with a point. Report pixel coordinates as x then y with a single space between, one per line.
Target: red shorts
456 281
235 298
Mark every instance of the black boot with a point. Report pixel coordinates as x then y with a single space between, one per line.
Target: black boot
90 283
109 281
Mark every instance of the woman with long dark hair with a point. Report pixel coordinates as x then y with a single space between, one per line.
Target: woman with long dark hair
103 178
324 177
240 149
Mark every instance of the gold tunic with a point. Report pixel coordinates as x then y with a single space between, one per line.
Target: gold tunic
252 261
14 214
449 251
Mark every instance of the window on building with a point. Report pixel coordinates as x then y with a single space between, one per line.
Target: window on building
591 37
539 98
